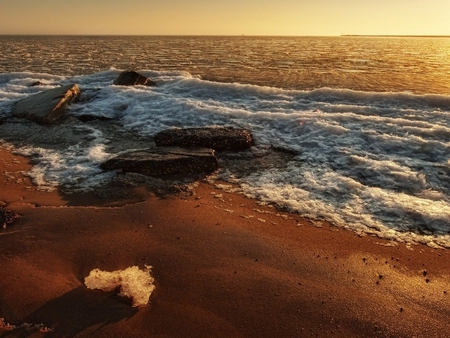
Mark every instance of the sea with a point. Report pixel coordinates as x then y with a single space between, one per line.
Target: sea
353 130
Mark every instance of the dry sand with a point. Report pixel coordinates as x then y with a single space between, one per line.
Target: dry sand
223 265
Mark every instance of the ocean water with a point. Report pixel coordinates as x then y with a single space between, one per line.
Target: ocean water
352 130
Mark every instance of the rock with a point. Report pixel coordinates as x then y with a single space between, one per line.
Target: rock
48 105
38 83
131 78
7 217
88 118
218 138
165 161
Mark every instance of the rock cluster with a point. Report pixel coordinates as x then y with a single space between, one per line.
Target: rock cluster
178 151
47 106
182 151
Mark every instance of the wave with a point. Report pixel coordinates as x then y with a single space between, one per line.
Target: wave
375 162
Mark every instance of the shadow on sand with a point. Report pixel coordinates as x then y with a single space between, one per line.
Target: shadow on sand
75 312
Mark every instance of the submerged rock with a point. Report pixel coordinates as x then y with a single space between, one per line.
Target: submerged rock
165 161
88 118
218 138
38 83
48 105
131 78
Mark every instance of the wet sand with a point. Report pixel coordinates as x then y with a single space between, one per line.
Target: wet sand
223 265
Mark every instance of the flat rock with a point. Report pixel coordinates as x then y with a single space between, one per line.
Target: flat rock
48 105
165 161
218 138
131 78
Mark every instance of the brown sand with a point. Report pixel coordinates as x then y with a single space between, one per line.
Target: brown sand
223 267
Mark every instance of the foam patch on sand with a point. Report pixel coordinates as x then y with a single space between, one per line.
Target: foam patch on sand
134 283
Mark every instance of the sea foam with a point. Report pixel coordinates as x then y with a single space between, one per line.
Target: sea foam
133 282
372 162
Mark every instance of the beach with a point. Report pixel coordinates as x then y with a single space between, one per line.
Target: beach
360 149
335 223
224 266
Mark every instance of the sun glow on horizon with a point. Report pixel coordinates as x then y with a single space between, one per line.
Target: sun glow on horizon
232 17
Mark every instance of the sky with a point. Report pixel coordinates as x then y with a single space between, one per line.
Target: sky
225 17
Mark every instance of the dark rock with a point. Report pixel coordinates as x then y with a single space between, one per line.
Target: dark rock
38 83
165 161
89 118
131 78
218 138
7 217
47 106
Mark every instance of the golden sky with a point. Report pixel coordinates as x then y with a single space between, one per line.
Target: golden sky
225 17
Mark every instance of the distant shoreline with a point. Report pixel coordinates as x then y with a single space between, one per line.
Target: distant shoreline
394 36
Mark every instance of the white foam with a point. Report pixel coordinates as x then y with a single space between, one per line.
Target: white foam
134 283
373 162
75 169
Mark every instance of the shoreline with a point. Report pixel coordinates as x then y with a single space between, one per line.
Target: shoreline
223 266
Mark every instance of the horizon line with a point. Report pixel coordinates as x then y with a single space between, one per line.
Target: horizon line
26 34
243 35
